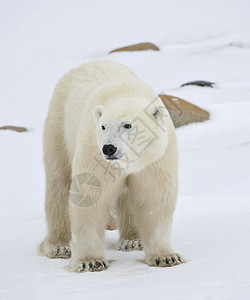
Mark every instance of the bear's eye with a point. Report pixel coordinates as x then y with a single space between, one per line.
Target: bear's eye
103 127
127 126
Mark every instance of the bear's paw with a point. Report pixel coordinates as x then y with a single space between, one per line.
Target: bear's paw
168 260
55 251
92 265
130 245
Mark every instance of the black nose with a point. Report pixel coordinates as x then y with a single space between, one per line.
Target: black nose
109 149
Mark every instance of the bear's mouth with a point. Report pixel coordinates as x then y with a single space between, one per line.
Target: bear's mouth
111 157
114 156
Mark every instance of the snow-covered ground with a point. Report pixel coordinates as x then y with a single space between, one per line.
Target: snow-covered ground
206 40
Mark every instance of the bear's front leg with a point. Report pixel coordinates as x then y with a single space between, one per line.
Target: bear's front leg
154 209
156 235
89 208
88 222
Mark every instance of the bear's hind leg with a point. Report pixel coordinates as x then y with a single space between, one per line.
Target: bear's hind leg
129 236
56 243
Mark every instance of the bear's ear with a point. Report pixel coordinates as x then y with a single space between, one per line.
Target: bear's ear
158 111
98 111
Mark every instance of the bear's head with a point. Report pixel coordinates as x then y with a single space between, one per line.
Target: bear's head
132 133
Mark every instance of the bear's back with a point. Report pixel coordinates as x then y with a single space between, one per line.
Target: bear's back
97 73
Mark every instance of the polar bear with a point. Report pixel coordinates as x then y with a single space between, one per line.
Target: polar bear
109 143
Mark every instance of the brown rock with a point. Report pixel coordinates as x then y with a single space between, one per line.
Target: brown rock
14 128
137 47
183 112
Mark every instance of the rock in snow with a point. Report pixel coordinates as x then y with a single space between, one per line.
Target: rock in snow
13 128
200 83
137 47
183 112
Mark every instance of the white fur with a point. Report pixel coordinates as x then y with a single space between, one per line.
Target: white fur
141 185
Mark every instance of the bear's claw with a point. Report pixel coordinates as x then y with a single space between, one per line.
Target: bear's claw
89 265
130 245
166 261
55 251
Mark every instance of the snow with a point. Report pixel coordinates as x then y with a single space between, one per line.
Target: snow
199 40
